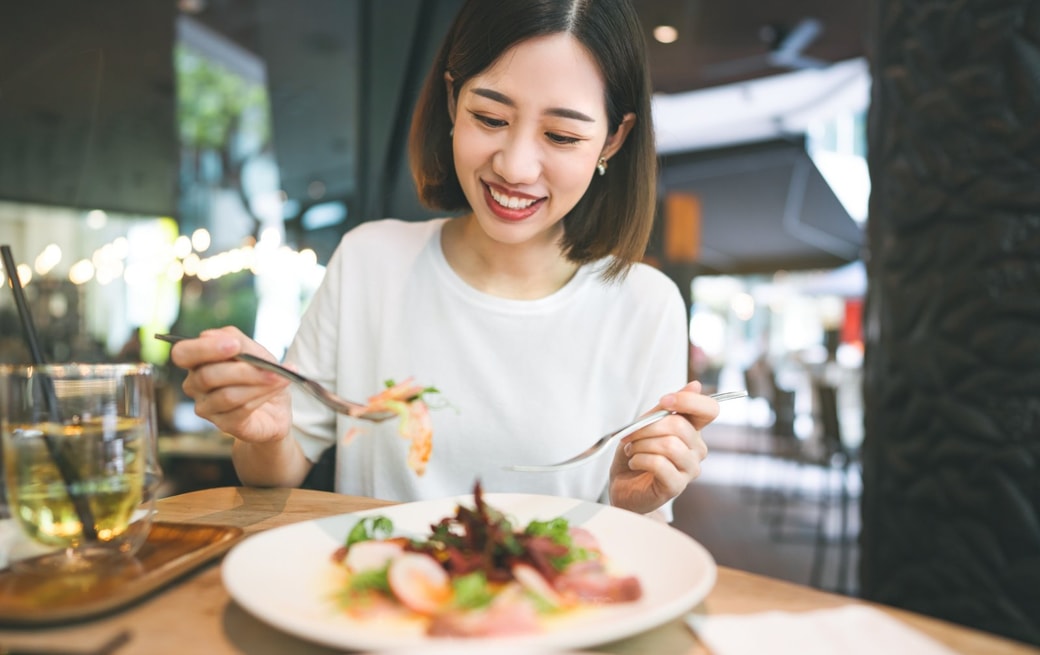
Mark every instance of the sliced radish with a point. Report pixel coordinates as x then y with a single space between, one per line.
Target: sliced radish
368 555
535 583
419 582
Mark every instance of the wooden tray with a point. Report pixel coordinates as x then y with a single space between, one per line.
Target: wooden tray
172 549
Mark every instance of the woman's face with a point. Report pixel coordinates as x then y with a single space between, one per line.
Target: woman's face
528 133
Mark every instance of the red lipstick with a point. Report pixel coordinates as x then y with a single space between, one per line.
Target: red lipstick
507 213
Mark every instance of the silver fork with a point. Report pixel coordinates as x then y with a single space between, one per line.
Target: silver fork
326 397
638 424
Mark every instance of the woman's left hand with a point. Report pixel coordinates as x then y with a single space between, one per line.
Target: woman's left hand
655 464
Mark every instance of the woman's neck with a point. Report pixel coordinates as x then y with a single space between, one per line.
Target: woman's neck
526 271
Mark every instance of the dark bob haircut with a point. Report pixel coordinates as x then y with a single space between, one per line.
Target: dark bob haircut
616 214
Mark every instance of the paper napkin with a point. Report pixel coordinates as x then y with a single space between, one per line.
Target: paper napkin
848 630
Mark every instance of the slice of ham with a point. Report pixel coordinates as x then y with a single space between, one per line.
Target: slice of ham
372 605
509 614
535 583
582 538
590 582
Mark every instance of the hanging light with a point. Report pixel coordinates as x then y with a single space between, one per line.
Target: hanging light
665 33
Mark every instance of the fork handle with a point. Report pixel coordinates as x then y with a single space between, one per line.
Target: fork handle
169 338
310 386
661 413
641 423
259 362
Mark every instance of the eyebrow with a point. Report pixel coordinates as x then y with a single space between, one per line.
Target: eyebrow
562 112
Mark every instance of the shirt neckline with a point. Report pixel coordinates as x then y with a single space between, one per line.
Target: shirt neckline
581 277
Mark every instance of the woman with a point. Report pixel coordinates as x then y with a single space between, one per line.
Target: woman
528 311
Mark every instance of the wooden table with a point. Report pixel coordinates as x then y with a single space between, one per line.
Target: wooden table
195 614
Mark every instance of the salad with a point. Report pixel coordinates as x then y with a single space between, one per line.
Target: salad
477 574
407 400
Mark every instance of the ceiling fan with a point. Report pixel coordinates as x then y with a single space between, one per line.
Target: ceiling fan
785 51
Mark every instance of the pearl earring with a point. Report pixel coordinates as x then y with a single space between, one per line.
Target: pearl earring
601 166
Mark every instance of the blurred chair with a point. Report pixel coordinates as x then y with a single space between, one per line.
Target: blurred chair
778 441
826 461
764 443
837 458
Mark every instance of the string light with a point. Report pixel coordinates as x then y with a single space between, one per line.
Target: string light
176 261
48 259
24 273
81 272
200 240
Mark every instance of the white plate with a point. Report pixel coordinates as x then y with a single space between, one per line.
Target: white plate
286 578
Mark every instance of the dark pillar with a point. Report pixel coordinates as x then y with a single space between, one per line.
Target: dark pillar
952 372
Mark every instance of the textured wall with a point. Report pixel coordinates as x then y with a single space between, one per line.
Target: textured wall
951 507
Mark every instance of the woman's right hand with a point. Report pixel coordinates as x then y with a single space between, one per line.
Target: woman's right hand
239 398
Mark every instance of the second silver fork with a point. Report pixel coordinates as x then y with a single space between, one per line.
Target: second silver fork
638 424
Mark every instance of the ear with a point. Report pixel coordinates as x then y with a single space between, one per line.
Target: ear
617 139
449 83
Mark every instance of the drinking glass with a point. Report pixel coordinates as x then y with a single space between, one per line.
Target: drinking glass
8 530
80 462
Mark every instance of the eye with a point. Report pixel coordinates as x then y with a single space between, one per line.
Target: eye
560 139
490 122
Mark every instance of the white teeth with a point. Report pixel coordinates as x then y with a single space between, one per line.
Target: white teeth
509 201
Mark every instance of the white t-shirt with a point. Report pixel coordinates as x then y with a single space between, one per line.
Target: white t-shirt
521 381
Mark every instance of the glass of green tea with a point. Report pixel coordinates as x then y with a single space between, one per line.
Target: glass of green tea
80 461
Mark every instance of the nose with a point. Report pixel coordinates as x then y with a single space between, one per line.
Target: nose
518 161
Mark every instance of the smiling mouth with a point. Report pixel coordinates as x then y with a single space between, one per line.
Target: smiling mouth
511 202
508 207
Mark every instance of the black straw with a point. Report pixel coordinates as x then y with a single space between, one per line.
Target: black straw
65 468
